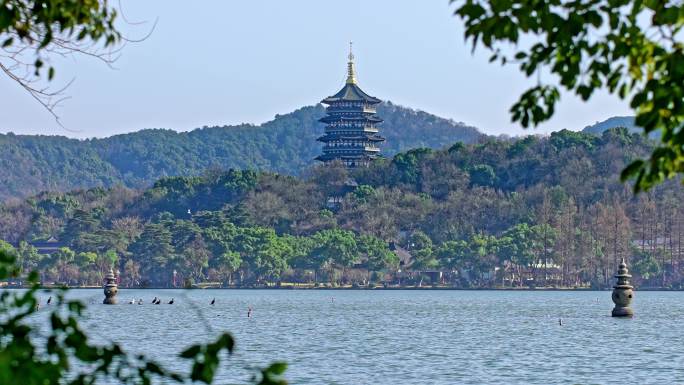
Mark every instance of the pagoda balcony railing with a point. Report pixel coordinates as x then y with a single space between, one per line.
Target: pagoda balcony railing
351 108
349 151
370 110
364 109
354 147
355 128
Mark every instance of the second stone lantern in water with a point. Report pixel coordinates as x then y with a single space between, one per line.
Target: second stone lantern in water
622 292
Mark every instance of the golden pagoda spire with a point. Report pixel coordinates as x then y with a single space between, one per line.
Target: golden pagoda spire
351 73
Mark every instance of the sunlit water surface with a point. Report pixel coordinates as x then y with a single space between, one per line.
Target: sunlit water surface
406 337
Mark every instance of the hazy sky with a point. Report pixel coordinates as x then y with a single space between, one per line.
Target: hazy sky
227 62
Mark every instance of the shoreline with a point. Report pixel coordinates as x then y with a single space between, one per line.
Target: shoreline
406 288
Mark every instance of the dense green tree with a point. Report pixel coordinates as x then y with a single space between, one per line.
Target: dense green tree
454 255
518 245
153 251
484 249
421 248
647 267
27 257
265 253
377 254
408 165
61 266
334 248
225 265
82 222
482 175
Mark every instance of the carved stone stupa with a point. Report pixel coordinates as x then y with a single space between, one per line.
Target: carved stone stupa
622 292
110 289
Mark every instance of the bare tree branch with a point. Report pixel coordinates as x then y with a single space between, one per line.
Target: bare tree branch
28 45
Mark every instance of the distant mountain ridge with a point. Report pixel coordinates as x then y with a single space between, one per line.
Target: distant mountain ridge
616 121
287 144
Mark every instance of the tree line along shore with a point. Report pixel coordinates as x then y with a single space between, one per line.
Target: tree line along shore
532 212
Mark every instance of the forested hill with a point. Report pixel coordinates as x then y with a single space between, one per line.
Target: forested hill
497 204
30 164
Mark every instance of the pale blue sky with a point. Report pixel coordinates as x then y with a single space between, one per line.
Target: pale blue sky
227 62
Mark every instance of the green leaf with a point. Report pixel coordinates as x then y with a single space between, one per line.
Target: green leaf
631 170
277 368
191 352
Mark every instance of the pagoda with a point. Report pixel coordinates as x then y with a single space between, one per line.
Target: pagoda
351 131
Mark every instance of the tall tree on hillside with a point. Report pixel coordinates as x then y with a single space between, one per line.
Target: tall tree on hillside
566 241
82 223
152 252
613 227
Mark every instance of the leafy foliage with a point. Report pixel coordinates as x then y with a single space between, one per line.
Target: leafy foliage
632 49
41 23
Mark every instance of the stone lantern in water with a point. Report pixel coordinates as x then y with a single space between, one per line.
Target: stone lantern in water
110 289
622 292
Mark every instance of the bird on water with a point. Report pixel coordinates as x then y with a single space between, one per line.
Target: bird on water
171 302
154 300
213 301
49 300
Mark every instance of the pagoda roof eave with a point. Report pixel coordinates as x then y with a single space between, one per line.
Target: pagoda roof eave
351 93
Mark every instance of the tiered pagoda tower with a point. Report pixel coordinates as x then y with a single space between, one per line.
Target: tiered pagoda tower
351 131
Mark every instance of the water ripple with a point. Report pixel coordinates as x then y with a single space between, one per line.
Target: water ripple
408 337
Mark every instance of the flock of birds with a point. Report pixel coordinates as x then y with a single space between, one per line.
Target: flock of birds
158 301
155 301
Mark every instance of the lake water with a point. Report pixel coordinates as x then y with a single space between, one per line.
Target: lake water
408 336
